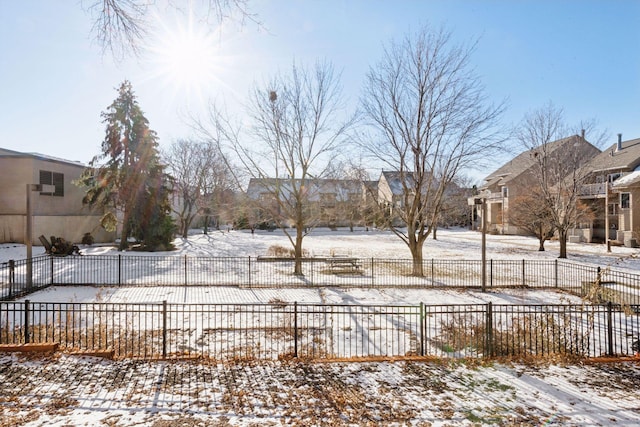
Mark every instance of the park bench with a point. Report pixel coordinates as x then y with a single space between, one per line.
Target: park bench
342 264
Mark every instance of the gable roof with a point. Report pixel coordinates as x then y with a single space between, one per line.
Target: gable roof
612 159
394 180
524 161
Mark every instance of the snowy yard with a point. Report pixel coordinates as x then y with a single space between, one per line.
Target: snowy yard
80 391
73 390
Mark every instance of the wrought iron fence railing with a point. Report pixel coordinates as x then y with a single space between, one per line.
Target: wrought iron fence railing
323 331
131 270
127 270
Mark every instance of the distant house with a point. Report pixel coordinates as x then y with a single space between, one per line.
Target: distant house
391 193
57 209
343 202
331 202
515 178
391 188
612 190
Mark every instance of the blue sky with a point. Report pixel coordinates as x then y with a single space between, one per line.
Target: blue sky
54 82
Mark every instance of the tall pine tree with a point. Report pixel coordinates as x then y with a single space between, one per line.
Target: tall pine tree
128 178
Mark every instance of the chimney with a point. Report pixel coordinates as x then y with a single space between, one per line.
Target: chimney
582 133
619 146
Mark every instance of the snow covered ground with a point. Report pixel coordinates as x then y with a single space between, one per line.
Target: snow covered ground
81 391
73 390
451 243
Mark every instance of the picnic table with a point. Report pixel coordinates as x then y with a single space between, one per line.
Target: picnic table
344 264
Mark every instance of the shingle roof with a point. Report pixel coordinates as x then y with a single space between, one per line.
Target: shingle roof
522 162
394 180
626 159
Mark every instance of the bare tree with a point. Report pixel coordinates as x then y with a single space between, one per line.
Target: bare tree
528 214
296 127
120 26
455 209
199 174
558 171
430 120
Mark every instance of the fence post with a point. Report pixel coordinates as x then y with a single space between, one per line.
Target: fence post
556 272
12 276
491 272
164 329
119 269
185 271
295 329
489 327
249 272
26 321
432 272
523 273
373 282
610 328
51 265
422 328
597 282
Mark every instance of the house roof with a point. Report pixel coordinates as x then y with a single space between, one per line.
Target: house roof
524 161
612 159
394 180
11 153
627 181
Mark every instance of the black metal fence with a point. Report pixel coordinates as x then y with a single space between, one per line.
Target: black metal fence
126 270
282 330
130 270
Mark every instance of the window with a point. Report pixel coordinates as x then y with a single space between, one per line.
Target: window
625 200
505 192
52 178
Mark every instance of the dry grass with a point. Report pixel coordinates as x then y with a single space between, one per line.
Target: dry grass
279 251
551 336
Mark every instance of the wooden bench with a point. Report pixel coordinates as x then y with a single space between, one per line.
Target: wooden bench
339 265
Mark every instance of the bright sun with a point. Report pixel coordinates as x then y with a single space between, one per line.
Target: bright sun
186 58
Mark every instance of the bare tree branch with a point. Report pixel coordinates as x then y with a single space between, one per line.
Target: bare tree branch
429 119
558 171
120 26
295 127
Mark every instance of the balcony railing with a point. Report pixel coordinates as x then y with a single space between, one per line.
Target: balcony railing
599 189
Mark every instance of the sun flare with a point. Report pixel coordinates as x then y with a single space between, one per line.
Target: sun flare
186 58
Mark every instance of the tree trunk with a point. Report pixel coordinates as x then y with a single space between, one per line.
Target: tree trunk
185 228
124 234
541 239
416 255
298 251
562 236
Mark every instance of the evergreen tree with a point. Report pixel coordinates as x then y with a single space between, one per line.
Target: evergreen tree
128 176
